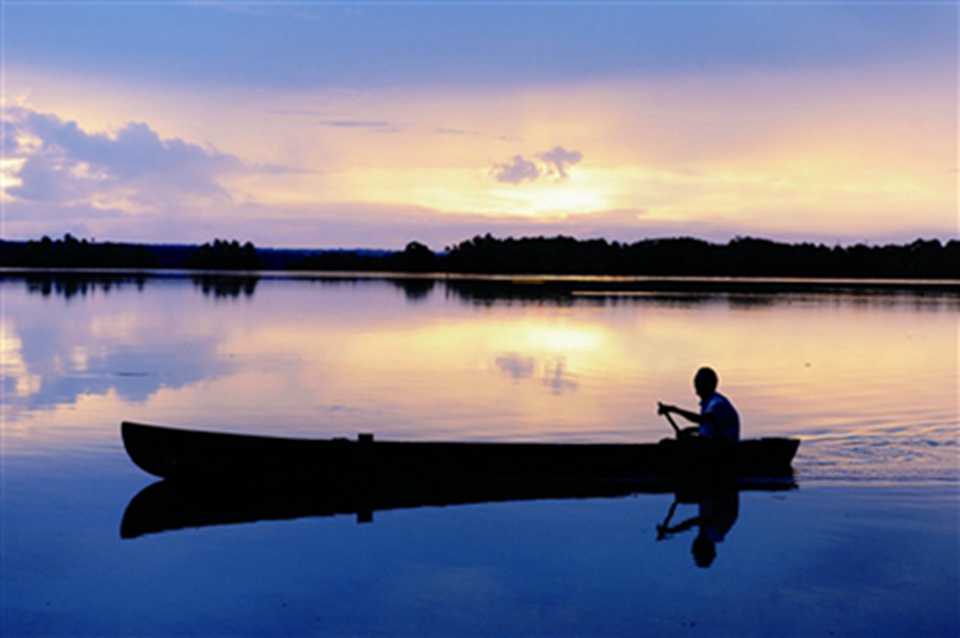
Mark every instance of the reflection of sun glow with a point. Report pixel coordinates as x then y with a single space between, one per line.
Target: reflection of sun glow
563 339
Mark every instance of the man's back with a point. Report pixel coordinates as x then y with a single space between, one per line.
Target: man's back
720 418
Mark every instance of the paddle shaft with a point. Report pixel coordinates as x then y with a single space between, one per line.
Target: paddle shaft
672 424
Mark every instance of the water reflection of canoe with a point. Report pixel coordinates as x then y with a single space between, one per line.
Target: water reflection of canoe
204 456
171 505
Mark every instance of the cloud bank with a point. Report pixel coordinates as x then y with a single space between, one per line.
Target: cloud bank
130 169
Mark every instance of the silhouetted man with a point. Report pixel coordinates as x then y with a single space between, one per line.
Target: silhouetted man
718 419
718 513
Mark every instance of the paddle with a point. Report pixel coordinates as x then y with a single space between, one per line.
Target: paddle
660 410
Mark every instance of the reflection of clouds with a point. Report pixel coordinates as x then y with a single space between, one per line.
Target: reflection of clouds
553 374
114 326
47 362
15 379
133 375
515 365
558 379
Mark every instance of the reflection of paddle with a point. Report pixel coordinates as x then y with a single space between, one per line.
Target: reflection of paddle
663 529
661 410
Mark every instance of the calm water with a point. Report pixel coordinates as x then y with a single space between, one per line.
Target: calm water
868 544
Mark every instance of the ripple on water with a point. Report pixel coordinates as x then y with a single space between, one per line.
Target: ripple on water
886 457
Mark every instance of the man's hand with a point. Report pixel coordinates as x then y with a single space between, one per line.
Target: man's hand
664 408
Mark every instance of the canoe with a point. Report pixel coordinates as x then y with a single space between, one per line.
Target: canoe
174 453
171 505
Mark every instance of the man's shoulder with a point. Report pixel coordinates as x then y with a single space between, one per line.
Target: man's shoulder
719 401
714 400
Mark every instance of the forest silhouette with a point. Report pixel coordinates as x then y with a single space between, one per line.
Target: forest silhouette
560 255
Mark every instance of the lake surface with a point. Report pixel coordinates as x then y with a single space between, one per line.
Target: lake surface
867 544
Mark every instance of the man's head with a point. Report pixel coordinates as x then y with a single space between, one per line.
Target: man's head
705 382
704 551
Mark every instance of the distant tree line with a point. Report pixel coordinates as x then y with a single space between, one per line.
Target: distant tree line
743 256
225 255
70 252
416 257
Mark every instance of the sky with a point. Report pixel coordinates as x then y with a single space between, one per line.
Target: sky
373 124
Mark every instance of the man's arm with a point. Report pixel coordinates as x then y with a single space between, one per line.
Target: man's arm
663 530
693 417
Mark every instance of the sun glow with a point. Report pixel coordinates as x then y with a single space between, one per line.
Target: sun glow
551 199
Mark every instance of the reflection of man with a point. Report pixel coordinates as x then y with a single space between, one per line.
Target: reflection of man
718 513
717 419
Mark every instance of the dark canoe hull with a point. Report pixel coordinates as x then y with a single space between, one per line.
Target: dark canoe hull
174 453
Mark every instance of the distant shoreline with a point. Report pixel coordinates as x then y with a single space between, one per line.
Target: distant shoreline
683 258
